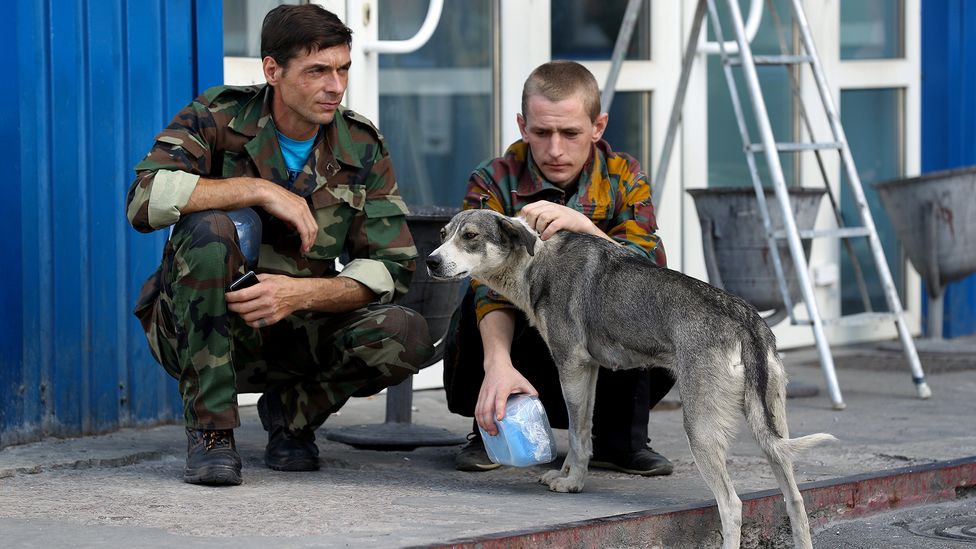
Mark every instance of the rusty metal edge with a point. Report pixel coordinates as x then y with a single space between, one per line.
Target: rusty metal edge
763 513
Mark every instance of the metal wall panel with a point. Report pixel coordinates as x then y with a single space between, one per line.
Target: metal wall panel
949 122
92 83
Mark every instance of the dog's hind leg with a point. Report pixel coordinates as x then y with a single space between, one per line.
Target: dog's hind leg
779 458
578 380
783 470
710 418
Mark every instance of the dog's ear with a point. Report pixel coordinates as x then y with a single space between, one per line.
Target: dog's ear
519 233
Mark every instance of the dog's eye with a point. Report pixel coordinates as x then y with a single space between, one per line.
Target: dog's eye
443 234
469 235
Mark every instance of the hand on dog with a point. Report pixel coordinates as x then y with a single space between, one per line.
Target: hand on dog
501 381
548 218
265 303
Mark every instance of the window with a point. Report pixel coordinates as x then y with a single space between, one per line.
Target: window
588 29
727 165
874 123
242 25
871 29
436 103
629 127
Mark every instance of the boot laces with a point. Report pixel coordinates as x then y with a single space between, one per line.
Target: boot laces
217 439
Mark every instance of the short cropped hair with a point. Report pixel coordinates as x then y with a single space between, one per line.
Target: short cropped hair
288 31
558 80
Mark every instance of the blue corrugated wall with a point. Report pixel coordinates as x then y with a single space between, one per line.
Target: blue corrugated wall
949 121
92 83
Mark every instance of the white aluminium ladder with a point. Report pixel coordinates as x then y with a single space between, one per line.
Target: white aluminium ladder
768 146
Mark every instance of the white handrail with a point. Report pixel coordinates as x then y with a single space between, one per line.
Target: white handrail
752 26
417 41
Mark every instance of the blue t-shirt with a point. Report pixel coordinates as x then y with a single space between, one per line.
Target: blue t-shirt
295 154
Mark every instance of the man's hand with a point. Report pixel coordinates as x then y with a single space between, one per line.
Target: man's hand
269 301
548 218
292 209
277 296
501 381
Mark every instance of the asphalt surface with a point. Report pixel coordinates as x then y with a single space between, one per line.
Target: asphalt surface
948 525
125 487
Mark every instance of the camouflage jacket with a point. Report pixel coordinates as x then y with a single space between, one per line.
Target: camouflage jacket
348 181
612 191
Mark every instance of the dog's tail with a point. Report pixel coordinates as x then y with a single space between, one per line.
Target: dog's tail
765 400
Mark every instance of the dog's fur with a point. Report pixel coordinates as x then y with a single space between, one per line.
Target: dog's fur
597 304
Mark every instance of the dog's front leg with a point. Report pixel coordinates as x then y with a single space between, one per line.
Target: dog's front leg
578 380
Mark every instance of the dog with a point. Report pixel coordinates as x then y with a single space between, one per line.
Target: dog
595 303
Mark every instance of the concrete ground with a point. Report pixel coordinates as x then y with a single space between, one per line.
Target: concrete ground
126 488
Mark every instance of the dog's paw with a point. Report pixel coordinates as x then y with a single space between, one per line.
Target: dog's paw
566 484
550 476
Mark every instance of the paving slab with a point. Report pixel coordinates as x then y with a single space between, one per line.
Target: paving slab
126 486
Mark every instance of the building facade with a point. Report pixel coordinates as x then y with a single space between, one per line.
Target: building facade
95 81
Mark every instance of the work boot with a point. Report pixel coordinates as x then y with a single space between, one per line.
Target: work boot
643 461
473 456
212 458
287 450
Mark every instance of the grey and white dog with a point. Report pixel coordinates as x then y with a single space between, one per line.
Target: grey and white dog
598 304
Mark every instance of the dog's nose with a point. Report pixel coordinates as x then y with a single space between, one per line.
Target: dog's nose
434 261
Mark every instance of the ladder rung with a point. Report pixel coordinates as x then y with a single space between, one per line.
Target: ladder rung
860 319
853 320
774 59
845 232
793 147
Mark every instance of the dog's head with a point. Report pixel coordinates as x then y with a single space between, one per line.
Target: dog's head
478 242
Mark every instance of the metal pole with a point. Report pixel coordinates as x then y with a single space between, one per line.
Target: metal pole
619 51
657 184
935 318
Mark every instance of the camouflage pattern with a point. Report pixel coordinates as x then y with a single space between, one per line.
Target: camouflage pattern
612 190
348 181
314 361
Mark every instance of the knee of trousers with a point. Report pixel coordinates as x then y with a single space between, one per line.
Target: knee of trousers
406 331
208 233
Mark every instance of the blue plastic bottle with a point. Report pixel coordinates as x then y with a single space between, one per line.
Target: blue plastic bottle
524 436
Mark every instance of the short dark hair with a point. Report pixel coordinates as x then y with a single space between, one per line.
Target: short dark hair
558 80
288 31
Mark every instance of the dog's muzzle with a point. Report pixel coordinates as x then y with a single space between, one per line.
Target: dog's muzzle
434 263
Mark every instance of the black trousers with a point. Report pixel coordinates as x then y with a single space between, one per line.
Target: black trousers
623 398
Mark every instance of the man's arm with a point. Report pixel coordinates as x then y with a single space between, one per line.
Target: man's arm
496 324
242 192
174 179
277 296
497 330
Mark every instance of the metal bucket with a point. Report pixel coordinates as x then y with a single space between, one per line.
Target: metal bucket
934 216
736 250
435 300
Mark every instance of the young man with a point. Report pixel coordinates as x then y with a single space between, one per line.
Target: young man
284 169
561 176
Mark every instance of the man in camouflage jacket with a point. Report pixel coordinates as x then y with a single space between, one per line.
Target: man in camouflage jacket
561 176
306 335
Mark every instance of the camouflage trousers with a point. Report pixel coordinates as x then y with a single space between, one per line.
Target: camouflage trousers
312 362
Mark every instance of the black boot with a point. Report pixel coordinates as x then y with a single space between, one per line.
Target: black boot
287 450
212 458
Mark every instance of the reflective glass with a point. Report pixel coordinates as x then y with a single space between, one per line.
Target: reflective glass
436 103
727 165
875 130
629 127
242 25
587 29
871 29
